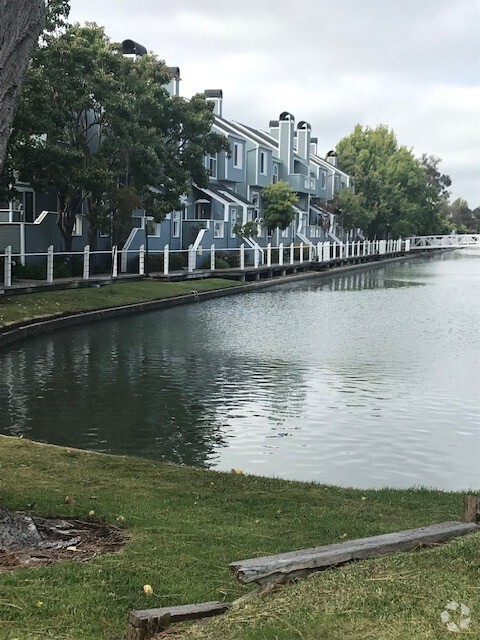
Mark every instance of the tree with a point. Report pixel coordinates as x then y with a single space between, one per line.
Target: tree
395 194
463 219
108 126
21 24
278 200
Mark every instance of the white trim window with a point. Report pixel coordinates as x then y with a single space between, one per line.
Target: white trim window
285 232
176 224
324 180
275 174
233 220
263 163
218 228
78 226
212 165
237 155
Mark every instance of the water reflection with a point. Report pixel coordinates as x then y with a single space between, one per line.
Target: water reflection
303 381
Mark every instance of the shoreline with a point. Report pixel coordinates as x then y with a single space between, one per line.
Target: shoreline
17 332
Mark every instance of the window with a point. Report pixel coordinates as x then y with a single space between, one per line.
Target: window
203 210
212 166
176 224
78 227
233 220
285 232
218 229
263 163
324 180
237 155
275 174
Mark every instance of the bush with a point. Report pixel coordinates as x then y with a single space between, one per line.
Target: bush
176 261
30 271
155 262
220 263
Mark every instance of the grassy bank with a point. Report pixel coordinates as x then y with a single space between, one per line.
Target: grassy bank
186 525
53 303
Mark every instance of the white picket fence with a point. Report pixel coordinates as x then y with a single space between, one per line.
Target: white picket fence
247 257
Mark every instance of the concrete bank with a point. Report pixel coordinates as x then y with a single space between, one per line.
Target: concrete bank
21 331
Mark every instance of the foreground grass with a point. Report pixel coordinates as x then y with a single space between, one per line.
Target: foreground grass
399 597
53 303
187 524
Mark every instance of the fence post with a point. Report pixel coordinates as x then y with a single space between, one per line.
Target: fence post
310 252
301 252
292 253
124 260
269 254
212 257
280 254
141 260
242 256
86 262
255 258
7 271
319 252
191 258
114 261
166 259
50 264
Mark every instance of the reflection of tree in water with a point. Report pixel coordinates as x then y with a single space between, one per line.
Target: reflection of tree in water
362 280
101 389
146 389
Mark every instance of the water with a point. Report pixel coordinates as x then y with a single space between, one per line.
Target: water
367 379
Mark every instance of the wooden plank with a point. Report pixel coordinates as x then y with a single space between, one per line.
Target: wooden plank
145 623
471 509
279 568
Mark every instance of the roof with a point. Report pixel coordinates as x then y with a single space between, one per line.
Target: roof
130 47
213 93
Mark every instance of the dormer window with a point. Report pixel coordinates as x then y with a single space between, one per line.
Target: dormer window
263 163
237 155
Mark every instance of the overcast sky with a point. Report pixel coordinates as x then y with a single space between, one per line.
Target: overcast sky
411 64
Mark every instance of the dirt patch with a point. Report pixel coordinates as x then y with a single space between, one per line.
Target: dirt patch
73 539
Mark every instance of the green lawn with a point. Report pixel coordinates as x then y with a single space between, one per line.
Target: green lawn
186 525
19 308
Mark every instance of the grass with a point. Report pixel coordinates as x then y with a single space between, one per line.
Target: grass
400 597
20 308
187 524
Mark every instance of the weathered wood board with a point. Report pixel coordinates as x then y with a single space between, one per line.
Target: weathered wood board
145 623
279 568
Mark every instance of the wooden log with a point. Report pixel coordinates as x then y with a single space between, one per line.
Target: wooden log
284 566
143 624
471 509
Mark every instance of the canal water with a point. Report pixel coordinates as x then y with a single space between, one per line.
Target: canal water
366 379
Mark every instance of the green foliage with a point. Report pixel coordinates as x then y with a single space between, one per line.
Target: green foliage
107 137
220 263
176 261
395 194
247 230
278 200
462 218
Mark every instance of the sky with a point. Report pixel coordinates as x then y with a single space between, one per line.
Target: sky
413 65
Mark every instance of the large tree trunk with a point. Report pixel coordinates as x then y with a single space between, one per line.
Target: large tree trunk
21 22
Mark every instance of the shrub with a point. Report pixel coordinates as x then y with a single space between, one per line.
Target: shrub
30 271
220 263
155 262
176 261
